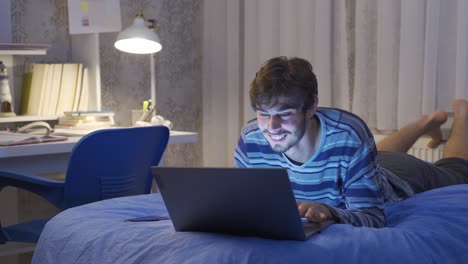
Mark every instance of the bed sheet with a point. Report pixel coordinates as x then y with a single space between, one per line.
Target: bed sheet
430 227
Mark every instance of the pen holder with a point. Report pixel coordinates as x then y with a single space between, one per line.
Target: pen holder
136 114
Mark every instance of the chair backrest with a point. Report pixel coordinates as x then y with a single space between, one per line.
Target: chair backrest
113 163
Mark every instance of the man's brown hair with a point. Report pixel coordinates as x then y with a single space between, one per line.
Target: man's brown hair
290 82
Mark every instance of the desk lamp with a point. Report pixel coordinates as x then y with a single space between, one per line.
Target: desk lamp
141 39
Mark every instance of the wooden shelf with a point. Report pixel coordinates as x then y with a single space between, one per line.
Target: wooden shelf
22 52
26 118
23 49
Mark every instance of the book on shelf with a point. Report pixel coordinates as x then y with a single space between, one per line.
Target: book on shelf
12 139
54 89
67 88
45 92
37 85
27 78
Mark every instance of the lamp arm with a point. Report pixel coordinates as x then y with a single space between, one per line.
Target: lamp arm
153 83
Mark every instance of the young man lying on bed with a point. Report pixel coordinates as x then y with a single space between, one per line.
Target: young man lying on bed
335 168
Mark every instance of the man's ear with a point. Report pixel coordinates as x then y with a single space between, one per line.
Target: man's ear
312 109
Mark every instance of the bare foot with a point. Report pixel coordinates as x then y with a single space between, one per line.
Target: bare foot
457 143
460 108
435 120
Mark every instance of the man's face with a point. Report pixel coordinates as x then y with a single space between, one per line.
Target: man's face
283 127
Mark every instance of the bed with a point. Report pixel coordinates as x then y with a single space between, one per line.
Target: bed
430 227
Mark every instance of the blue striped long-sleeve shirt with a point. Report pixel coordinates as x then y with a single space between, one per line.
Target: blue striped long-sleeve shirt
343 174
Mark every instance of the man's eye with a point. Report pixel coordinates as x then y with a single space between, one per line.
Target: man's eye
284 114
264 114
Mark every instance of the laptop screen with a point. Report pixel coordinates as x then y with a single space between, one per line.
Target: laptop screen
241 201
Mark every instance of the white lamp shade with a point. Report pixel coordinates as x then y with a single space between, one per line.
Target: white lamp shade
138 39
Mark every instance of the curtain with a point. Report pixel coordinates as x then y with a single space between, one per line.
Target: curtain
387 61
313 30
411 59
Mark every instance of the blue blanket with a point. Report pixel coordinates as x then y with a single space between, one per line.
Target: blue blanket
431 227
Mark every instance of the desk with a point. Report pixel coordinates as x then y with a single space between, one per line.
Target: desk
52 157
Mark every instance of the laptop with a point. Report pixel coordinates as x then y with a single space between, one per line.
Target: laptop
238 201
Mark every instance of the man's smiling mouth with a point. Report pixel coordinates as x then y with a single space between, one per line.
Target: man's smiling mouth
277 137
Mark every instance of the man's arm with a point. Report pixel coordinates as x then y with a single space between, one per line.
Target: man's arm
317 212
371 217
362 190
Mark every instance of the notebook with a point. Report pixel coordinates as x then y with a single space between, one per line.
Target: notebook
13 139
238 201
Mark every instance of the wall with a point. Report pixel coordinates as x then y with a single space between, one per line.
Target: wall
125 78
5 26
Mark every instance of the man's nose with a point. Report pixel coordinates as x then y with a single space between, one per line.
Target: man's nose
274 122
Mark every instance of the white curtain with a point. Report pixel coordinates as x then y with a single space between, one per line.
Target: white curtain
411 59
314 30
386 61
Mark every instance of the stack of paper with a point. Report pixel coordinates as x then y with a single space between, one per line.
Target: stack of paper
86 120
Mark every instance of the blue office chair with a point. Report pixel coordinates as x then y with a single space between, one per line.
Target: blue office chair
104 164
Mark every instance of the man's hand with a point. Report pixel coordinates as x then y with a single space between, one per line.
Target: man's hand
314 212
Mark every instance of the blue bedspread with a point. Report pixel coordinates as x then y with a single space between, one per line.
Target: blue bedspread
431 227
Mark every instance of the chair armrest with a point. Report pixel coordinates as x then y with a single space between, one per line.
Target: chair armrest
4 237
33 179
49 189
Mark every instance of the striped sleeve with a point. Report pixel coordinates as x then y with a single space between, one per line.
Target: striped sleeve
240 157
361 189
